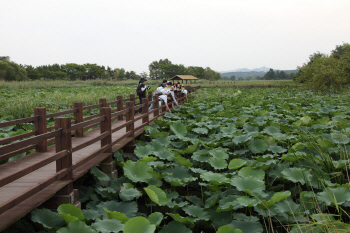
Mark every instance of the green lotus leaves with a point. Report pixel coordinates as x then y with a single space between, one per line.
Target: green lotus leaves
250 185
155 218
276 149
139 225
158 134
91 214
241 138
175 227
217 163
197 212
108 225
228 229
277 197
247 227
137 171
236 164
334 196
77 226
258 146
115 215
70 213
249 171
200 130
215 178
228 130
340 138
243 217
48 219
179 128
184 220
228 203
295 175
271 130
142 151
99 174
127 208
247 201
219 153
129 194
157 195
182 161
164 154
191 148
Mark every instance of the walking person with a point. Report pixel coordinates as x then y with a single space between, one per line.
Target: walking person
141 91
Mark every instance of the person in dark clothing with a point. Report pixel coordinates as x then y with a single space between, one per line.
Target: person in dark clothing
141 91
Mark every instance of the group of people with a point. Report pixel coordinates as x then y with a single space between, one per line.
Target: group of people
165 92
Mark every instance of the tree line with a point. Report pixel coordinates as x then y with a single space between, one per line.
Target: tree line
270 75
162 69
327 73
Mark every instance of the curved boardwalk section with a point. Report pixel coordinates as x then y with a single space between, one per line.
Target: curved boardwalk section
28 182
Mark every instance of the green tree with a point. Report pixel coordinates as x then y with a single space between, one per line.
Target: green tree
94 71
119 73
74 71
32 73
270 75
10 71
131 75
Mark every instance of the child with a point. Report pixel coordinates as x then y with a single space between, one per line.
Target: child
184 91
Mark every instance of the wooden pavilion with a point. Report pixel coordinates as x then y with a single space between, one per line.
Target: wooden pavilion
184 77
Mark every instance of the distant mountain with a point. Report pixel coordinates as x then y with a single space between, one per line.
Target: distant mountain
261 69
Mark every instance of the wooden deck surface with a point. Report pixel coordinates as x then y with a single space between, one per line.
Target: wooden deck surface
19 186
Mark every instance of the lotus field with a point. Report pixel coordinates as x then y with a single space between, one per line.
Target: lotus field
228 161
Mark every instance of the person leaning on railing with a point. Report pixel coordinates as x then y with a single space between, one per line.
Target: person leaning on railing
171 90
183 91
162 95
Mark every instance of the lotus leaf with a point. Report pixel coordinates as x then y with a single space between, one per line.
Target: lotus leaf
70 210
335 196
137 171
247 227
108 225
271 130
219 153
184 220
277 197
241 138
157 195
48 219
295 175
196 211
155 218
191 148
215 178
236 164
129 194
115 215
250 185
139 225
99 174
77 226
179 128
247 201
217 163
142 151
175 227
258 146
228 229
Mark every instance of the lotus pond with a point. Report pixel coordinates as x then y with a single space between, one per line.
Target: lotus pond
252 161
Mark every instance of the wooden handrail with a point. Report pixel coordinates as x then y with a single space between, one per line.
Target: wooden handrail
56 114
17 137
89 142
26 142
87 123
18 121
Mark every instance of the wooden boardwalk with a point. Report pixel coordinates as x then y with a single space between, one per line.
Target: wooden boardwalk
28 182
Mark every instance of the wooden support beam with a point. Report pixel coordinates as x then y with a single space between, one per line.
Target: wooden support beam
145 111
156 106
78 118
64 142
40 128
106 126
103 102
120 106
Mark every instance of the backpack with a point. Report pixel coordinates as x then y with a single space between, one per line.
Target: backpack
138 90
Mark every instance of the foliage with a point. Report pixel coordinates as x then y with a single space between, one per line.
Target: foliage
10 71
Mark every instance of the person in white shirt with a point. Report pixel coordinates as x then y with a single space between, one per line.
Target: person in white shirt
171 91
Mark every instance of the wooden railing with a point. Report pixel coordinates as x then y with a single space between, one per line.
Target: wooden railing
61 134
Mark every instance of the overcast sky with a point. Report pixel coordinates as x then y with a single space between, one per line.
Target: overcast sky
221 34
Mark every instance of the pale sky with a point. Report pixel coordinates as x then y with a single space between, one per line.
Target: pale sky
130 34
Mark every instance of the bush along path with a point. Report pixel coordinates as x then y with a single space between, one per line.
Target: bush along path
228 162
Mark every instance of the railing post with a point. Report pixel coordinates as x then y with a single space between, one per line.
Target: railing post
132 98
145 111
103 102
150 96
130 116
156 106
41 128
64 142
78 118
106 126
120 106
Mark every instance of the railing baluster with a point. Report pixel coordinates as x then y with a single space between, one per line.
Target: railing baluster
41 128
104 127
78 118
120 106
64 142
145 111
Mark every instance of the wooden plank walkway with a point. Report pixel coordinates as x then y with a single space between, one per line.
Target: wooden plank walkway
28 182
23 184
